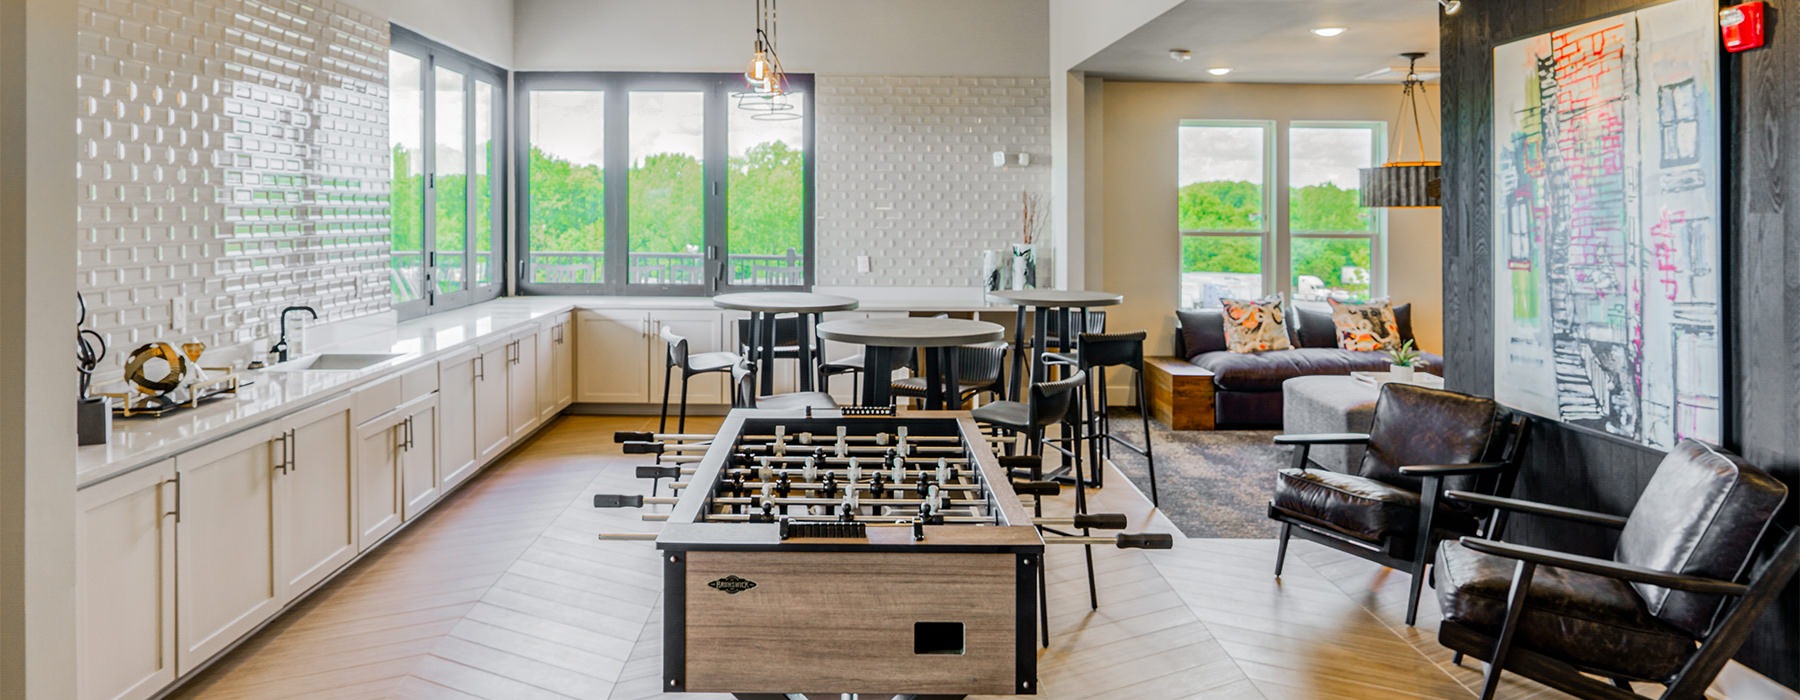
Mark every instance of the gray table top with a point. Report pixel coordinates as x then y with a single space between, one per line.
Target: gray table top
1058 298
784 302
911 332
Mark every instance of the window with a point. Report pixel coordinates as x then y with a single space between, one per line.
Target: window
1245 233
1224 209
658 184
445 132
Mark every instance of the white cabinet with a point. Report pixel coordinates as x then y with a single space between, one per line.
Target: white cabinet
615 356
456 449
522 385
555 371
705 332
419 482
379 444
492 432
125 585
225 542
315 497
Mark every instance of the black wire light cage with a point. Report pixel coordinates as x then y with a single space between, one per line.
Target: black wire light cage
765 93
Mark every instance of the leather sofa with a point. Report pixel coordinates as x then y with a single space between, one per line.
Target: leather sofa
1247 386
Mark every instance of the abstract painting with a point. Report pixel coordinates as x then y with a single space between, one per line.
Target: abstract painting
1606 196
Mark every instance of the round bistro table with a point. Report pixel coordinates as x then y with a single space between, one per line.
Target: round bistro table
939 337
763 308
1065 303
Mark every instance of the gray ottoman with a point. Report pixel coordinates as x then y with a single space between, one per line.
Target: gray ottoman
1329 404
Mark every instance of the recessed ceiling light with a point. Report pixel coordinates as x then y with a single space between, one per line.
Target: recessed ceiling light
1180 55
1328 31
1219 71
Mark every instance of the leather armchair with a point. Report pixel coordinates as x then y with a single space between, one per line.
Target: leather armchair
1673 604
1391 511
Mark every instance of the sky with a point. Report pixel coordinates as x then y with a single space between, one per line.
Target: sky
1320 154
569 124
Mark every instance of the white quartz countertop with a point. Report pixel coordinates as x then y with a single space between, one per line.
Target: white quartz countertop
268 396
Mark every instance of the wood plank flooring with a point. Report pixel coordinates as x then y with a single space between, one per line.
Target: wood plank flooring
503 592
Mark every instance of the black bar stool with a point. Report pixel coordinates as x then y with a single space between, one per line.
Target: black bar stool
784 345
691 365
978 369
1094 353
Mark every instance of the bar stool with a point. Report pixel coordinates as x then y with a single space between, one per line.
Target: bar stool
744 393
978 369
784 346
1095 352
691 365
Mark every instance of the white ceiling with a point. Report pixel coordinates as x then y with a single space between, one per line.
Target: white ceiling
1268 41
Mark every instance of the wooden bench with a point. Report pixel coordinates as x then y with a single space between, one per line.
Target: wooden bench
1181 394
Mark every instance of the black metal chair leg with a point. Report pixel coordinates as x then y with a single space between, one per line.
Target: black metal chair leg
1515 605
1149 454
662 426
682 426
1456 659
1287 530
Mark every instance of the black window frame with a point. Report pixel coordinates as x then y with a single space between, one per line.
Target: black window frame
431 55
617 88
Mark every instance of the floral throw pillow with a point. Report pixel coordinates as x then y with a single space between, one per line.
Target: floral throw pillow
1256 325
1365 327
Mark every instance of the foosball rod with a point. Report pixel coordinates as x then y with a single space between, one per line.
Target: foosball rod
828 438
624 436
820 486
1147 540
627 536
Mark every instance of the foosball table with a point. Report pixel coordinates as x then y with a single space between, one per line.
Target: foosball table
879 555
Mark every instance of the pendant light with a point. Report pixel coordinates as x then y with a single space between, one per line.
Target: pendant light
765 92
1399 182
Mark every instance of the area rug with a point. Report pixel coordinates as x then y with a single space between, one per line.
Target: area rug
1212 483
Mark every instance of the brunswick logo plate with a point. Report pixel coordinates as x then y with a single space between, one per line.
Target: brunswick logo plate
733 584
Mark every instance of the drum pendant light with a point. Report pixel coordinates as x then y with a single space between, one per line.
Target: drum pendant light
1400 182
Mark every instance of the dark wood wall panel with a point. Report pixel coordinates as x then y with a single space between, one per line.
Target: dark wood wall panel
1762 238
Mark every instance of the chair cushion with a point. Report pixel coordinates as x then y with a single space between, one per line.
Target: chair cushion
914 387
1361 508
1267 370
1595 622
1006 414
712 361
1701 514
1415 425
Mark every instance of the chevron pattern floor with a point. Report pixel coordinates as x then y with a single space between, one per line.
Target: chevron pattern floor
503 593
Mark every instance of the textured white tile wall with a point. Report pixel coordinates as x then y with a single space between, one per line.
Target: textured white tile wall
906 174
233 160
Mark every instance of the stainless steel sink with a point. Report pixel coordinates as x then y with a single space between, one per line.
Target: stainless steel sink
330 362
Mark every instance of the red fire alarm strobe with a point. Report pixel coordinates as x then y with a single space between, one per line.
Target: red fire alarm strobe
1742 26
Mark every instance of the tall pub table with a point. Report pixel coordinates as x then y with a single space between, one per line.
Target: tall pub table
1068 305
763 308
939 337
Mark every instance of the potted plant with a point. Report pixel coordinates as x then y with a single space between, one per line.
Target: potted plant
1402 359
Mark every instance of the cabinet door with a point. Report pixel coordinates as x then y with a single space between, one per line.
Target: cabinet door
546 372
522 387
614 364
315 503
378 447
705 332
418 461
225 543
456 421
492 434
125 585
562 363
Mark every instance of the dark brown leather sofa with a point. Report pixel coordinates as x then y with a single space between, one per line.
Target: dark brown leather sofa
1247 386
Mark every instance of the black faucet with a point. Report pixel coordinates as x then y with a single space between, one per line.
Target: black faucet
281 346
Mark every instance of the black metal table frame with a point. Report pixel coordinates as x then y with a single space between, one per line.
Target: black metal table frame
1040 337
762 347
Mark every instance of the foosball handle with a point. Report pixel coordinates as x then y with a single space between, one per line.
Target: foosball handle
643 448
1100 521
1038 488
623 436
1146 540
618 500
661 473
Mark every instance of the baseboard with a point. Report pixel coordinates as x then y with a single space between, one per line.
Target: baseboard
1739 682
641 409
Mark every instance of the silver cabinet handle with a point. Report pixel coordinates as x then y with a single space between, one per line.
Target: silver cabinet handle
481 367
409 434
177 510
281 461
293 449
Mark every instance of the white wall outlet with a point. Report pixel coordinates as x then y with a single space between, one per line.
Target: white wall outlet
1024 159
177 315
862 263
999 159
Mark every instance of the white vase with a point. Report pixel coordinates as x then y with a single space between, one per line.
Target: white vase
1401 373
994 273
1024 266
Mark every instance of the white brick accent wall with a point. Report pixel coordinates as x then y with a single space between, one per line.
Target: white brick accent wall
906 174
233 160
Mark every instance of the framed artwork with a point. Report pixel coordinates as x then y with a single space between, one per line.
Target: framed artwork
1606 200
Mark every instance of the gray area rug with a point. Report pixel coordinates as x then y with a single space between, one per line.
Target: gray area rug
1212 483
